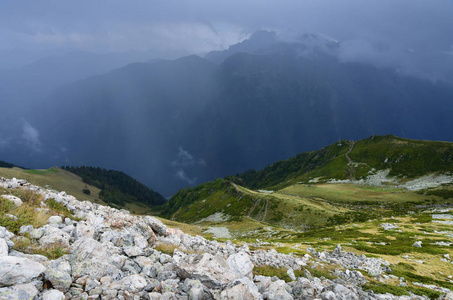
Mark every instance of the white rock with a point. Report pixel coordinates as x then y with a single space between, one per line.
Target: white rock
135 282
241 264
17 270
89 257
54 236
53 295
291 274
4 249
4 233
13 199
417 244
245 289
56 220
19 292
277 291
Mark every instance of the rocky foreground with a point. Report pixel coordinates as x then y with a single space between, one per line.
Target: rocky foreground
112 255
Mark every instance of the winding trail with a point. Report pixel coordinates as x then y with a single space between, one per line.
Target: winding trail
350 170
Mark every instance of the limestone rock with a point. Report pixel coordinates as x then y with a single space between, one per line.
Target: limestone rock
277 291
89 257
212 271
241 264
59 274
241 289
17 202
53 236
18 270
4 248
417 244
53 295
55 220
19 292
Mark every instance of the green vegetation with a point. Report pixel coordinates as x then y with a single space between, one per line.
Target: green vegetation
4 164
25 245
116 187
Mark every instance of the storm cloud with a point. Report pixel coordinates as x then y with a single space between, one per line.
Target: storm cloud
372 30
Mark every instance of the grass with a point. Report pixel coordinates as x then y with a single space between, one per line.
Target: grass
57 179
24 245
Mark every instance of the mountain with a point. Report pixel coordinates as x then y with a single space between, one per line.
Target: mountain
173 124
345 182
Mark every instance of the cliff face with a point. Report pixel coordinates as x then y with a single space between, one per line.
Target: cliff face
111 254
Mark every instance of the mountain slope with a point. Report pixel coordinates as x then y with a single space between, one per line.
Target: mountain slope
295 193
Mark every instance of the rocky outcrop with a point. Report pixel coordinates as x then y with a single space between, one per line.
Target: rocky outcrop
112 255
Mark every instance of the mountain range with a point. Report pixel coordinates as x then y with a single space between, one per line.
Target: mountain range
177 123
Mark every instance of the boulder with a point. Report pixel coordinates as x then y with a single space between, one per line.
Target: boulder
158 227
277 291
241 264
241 289
59 274
18 270
89 257
17 202
54 237
55 220
19 292
212 271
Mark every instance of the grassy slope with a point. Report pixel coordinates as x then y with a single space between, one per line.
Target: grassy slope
56 179
296 205
61 180
404 157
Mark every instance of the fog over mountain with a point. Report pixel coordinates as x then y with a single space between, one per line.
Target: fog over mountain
177 93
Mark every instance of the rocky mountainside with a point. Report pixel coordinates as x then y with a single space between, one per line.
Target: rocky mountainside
105 253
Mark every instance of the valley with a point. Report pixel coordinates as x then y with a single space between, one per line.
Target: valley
383 199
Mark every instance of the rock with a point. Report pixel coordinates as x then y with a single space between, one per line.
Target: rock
37 233
241 264
18 270
5 234
389 226
135 282
59 274
89 257
417 244
158 227
34 257
277 291
4 248
17 202
291 274
155 296
19 292
26 229
54 237
241 289
133 251
212 271
447 296
53 295
55 220
337 250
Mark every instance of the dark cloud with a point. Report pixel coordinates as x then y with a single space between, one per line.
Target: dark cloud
376 29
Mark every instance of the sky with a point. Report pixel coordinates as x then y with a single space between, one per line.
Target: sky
200 25
384 31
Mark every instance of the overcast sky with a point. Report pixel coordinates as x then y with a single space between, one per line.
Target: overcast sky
198 26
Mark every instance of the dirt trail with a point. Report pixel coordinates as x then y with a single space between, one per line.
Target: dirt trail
350 170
